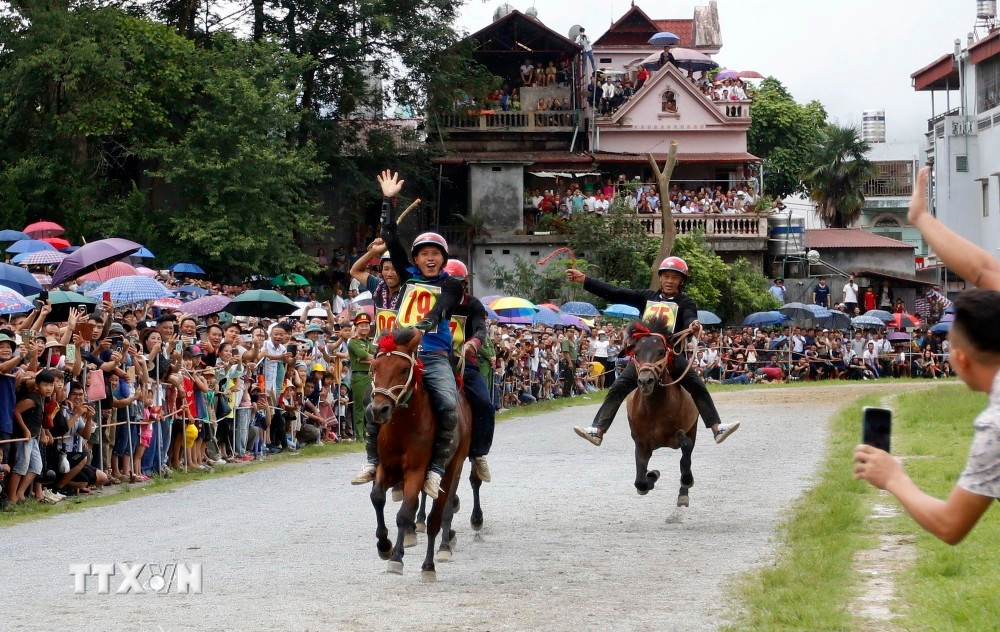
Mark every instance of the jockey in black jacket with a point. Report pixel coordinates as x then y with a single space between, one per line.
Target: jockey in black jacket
673 272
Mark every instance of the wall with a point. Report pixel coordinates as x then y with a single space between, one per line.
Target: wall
530 96
496 193
504 251
894 261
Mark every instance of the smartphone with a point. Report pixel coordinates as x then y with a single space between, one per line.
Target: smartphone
106 297
43 295
82 308
293 349
70 354
178 347
876 427
246 338
131 374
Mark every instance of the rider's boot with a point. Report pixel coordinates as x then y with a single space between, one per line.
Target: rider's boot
625 384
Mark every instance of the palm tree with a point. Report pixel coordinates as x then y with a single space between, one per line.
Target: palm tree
838 174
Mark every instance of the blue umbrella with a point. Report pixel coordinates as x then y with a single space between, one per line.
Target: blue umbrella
546 316
621 311
580 308
143 253
12 302
941 328
765 319
29 245
867 321
19 280
664 38
186 268
193 290
490 313
834 320
70 250
13 235
126 290
708 318
881 314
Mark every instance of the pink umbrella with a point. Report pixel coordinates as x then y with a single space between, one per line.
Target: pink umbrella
113 271
750 74
45 229
168 303
146 272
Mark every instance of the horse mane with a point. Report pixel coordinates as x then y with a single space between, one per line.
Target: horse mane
398 337
655 325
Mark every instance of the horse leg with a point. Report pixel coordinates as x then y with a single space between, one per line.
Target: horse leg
448 536
477 511
644 479
687 478
382 542
413 481
422 514
435 519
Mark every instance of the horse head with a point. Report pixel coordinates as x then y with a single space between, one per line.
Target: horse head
395 373
653 355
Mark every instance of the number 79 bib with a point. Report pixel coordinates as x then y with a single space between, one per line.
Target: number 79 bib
418 300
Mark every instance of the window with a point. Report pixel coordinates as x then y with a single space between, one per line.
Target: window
986 198
604 60
962 164
668 102
988 84
894 178
887 222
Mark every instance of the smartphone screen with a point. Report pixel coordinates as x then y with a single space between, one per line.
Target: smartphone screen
876 427
106 297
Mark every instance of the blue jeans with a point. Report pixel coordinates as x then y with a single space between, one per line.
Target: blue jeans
593 66
483 413
242 425
439 380
29 458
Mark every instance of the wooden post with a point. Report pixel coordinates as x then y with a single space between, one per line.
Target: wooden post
667 216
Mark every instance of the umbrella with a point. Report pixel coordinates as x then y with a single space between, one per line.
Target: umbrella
144 253
43 279
835 320
546 316
580 308
487 300
708 318
867 321
56 242
45 229
146 272
750 74
289 280
941 328
186 268
12 235
173 304
692 60
801 314
898 336
18 279
553 307
621 311
365 298
39 258
664 38
948 317
28 245
209 305
90 257
491 314
575 321
261 303
765 319
520 319
12 302
904 320
115 270
126 290
69 249
881 314
722 75
62 301
193 290
511 303
315 312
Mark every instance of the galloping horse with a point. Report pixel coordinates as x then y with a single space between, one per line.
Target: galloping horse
660 412
475 518
401 403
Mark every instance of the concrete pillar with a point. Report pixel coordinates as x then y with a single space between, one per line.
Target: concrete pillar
496 193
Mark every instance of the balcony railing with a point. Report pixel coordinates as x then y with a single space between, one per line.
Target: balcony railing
713 226
889 187
557 120
734 109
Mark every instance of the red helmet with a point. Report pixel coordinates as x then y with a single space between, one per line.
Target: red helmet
457 269
676 264
429 239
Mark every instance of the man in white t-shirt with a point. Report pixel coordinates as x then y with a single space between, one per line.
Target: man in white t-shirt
850 296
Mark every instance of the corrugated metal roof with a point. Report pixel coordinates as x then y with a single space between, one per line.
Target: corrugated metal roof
820 238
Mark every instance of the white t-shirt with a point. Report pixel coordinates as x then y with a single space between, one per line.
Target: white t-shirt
851 293
599 348
982 468
271 366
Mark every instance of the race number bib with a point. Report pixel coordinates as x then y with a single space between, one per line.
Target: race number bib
385 321
457 325
665 310
418 300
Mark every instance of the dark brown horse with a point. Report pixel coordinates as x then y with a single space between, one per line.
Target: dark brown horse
401 403
660 412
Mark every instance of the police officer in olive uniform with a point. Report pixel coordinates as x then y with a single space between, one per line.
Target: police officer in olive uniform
361 350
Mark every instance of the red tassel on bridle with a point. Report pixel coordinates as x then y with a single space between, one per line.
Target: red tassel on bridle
386 344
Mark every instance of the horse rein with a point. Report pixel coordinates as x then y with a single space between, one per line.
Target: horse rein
658 367
399 391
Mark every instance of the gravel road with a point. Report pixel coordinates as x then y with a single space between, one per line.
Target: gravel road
567 543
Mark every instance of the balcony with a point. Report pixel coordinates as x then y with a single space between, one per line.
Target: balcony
520 121
739 110
743 226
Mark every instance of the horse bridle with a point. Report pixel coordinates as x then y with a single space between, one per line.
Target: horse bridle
662 365
399 391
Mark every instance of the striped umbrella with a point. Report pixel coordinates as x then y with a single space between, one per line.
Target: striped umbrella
128 290
43 279
39 258
173 304
514 307
12 302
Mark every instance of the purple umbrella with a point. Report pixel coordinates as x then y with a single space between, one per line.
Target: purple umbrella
898 336
727 74
207 305
576 321
92 256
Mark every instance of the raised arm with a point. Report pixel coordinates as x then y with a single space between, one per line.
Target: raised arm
391 186
360 268
961 255
610 293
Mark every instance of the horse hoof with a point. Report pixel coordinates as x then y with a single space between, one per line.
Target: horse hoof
682 501
394 567
409 540
476 522
428 576
421 527
384 549
641 492
444 555
653 474
456 504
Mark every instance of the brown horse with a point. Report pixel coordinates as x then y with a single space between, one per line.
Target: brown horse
401 403
660 412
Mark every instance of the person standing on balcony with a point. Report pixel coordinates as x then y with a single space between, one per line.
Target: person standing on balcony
641 78
778 290
850 296
588 50
666 57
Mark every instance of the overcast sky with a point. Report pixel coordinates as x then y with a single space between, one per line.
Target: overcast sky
851 55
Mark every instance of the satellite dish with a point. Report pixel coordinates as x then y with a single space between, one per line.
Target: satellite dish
574 31
502 11
532 13
813 257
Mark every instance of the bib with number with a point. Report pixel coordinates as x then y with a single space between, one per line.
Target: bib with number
385 321
418 300
665 310
457 325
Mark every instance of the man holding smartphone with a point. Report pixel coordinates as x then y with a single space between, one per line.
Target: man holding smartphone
975 356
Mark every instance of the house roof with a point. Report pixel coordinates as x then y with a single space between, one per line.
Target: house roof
635 28
516 32
820 238
986 48
895 277
523 157
709 157
939 74
683 84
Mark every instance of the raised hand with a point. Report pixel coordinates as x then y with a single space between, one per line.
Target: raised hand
390 183
918 201
575 275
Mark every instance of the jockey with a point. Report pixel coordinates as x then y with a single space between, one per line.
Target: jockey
385 291
673 272
430 254
476 391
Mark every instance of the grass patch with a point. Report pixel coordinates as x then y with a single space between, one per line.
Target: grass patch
811 583
722 388
552 405
33 510
949 587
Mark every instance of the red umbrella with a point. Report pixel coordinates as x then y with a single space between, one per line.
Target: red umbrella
57 242
49 229
554 308
904 320
750 74
113 271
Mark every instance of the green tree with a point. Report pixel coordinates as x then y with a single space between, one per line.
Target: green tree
781 133
617 246
837 175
